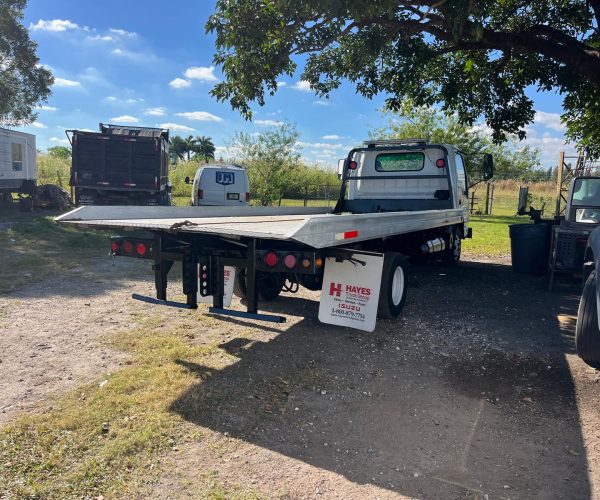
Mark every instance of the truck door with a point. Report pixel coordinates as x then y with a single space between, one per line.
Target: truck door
462 193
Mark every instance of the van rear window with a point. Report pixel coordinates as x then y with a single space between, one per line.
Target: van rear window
400 162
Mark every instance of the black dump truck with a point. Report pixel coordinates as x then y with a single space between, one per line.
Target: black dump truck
120 165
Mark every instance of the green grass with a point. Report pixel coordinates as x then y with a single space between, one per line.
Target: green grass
35 248
95 440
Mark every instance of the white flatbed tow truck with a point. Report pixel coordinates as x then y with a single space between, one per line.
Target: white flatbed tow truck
397 199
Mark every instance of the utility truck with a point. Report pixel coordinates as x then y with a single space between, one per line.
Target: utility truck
120 165
398 199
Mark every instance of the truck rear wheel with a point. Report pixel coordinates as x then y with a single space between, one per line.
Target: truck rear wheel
587 333
392 293
451 255
269 285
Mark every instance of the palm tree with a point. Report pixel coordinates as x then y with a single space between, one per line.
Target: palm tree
177 148
190 146
205 148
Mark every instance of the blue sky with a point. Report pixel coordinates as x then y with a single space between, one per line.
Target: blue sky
150 64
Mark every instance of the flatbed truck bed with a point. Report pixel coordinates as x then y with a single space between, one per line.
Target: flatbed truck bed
314 227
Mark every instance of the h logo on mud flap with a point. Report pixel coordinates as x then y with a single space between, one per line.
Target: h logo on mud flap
335 289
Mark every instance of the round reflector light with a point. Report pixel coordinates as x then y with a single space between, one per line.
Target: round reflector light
114 247
305 263
140 248
290 261
128 247
352 165
440 163
271 259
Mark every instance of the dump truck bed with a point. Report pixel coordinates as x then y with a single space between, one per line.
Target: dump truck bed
316 227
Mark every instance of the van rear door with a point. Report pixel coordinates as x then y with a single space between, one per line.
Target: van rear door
235 187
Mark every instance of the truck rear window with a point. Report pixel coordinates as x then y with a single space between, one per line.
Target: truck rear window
399 162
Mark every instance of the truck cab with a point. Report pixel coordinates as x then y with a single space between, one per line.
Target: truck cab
407 175
410 175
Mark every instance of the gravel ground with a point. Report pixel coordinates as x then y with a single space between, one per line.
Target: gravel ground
475 392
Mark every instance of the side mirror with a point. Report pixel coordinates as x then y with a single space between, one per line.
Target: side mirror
341 166
488 167
187 179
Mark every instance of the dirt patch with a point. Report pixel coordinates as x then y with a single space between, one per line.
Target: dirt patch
474 391
51 333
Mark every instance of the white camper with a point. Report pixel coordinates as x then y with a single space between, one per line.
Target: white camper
18 166
220 185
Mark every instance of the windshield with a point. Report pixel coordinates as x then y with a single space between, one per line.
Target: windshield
586 192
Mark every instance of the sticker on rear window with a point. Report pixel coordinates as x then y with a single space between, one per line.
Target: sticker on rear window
225 178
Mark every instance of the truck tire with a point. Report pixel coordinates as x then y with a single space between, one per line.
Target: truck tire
587 333
269 284
392 293
451 255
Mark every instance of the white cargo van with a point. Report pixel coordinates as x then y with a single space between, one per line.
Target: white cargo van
220 185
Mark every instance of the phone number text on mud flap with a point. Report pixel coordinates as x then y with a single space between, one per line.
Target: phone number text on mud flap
345 312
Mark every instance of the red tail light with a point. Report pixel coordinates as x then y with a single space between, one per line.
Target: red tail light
140 249
271 259
352 165
200 194
289 261
247 197
114 247
440 163
128 247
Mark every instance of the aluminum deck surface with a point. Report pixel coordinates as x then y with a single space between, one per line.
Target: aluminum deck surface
315 227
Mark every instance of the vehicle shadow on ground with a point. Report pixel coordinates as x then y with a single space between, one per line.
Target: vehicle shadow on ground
469 393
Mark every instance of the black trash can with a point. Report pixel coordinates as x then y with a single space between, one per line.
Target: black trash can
529 247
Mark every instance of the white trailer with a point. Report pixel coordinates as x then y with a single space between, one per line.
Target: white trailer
405 199
18 165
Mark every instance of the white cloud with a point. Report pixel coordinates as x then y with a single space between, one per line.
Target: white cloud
201 73
37 125
54 25
155 111
111 98
281 84
100 38
549 120
63 82
268 123
322 145
125 119
302 85
179 83
46 108
123 33
60 141
202 116
321 103
176 126
331 137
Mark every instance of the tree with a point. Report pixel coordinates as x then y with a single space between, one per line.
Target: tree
441 127
204 148
23 81
60 152
476 58
269 157
177 148
190 146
